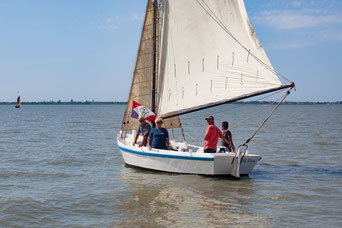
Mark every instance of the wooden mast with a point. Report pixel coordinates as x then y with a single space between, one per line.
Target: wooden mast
154 76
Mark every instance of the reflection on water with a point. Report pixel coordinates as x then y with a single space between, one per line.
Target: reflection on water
186 200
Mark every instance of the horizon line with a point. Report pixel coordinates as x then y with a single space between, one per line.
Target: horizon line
125 102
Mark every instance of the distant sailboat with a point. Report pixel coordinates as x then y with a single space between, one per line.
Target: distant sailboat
193 55
18 102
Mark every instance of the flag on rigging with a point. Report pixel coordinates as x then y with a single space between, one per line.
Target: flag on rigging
139 110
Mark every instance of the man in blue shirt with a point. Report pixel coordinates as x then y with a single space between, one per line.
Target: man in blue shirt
159 137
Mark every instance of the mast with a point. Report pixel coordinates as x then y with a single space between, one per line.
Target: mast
154 76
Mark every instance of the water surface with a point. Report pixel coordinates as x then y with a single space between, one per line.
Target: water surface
60 167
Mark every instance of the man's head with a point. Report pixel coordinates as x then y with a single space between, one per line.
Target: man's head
210 119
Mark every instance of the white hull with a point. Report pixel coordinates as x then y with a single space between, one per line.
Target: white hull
193 162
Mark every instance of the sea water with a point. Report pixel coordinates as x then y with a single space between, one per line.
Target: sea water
60 167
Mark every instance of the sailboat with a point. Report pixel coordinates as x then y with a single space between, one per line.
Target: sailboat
194 55
18 102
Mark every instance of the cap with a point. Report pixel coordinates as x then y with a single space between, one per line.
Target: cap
209 118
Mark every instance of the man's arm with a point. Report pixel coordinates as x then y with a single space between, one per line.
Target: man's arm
224 139
136 138
168 143
206 135
149 143
144 140
231 144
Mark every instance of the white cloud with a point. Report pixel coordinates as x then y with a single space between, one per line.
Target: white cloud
306 39
112 26
108 23
290 19
296 4
111 23
301 23
137 17
329 35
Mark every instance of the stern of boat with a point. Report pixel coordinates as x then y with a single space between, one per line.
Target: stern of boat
223 164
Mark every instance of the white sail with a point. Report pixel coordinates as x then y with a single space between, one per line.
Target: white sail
209 52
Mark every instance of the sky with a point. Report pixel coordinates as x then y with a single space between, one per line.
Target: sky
86 50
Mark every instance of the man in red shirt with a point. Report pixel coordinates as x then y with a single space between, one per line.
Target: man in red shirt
211 136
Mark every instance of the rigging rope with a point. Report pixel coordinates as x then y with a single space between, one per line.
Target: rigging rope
192 138
239 106
254 114
220 23
244 120
262 124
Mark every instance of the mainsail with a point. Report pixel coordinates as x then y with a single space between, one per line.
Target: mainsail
209 53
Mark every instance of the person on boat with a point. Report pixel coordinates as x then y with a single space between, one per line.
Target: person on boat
159 137
228 135
211 136
144 129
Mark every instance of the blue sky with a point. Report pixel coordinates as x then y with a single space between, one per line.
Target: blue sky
86 50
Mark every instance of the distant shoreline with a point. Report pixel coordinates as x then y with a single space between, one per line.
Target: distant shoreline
66 103
124 103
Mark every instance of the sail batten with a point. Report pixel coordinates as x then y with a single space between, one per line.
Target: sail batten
209 54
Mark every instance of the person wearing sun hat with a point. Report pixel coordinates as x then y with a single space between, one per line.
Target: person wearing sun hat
159 137
211 136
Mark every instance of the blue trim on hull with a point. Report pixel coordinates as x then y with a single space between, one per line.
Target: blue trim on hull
165 155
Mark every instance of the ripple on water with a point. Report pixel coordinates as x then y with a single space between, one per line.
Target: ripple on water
320 170
10 131
65 161
293 163
26 210
29 174
325 144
